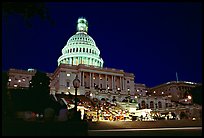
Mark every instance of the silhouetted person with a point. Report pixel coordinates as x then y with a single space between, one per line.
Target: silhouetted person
63 113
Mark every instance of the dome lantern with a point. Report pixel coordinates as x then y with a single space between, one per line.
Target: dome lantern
82 25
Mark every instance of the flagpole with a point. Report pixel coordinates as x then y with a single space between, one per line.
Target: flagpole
176 77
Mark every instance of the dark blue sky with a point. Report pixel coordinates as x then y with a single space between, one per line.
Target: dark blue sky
151 40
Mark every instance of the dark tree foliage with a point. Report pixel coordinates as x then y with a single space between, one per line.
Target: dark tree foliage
4 93
27 10
39 92
19 99
197 94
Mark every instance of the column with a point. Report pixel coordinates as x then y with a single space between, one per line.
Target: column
81 60
83 79
105 81
90 80
70 60
78 60
74 60
99 81
120 83
112 82
123 83
92 83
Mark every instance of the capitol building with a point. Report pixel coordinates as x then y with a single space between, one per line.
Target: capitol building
81 57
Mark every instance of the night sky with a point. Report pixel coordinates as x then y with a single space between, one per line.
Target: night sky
151 40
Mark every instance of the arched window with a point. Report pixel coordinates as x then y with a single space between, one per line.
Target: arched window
151 104
73 49
83 49
80 50
92 51
143 104
76 49
160 104
70 50
89 50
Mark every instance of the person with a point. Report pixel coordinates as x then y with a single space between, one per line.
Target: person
63 113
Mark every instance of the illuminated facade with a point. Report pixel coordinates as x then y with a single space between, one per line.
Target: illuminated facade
95 82
21 78
175 90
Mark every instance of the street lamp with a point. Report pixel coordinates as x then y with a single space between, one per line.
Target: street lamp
76 84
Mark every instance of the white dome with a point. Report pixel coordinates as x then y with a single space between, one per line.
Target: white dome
81 48
81 37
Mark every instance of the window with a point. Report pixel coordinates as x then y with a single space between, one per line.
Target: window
160 104
83 49
70 50
89 50
76 49
73 49
128 81
67 84
143 104
151 104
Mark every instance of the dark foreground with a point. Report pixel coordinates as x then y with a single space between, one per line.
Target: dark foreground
149 132
23 128
154 128
116 128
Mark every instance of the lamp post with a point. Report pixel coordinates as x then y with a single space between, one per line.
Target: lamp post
76 83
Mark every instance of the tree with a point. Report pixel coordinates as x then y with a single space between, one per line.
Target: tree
27 10
5 98
39 92
197 94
